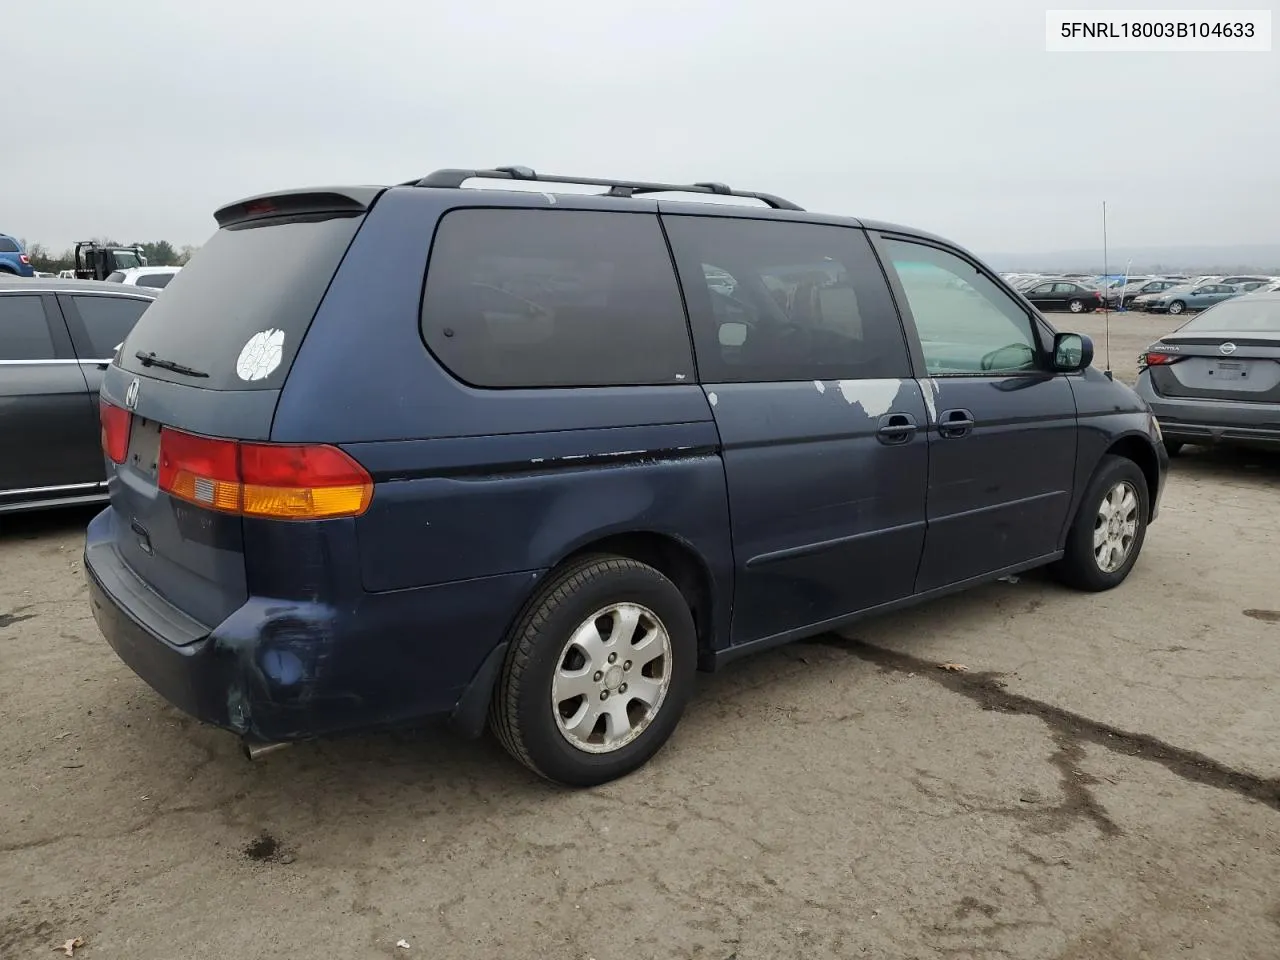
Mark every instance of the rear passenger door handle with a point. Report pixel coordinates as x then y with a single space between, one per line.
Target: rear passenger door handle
896 428
956 423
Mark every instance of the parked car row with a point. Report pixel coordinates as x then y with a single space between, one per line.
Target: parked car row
1171 293
1180 298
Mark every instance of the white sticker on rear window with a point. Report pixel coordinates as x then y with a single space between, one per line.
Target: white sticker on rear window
261 355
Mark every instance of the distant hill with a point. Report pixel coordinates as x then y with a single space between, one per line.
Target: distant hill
1243 258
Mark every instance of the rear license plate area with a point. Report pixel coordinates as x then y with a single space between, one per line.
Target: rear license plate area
1228 370
144 448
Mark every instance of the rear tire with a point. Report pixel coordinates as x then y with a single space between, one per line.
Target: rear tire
1173 447
1177 307
1109 529
1075 306
576 701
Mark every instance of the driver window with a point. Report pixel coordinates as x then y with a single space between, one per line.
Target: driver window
967 324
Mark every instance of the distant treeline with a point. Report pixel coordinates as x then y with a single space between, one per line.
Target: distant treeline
160 253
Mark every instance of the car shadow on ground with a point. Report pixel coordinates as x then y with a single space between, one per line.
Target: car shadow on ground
1228 463
36 524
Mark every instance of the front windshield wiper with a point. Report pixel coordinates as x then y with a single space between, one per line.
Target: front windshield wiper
151 360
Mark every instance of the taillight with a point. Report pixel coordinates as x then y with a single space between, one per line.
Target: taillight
1162 359
263 479
24 258
200 470
115 430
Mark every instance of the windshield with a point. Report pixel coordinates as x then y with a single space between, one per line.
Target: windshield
125 259
1238 316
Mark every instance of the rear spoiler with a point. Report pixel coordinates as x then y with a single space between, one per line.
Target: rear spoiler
347 201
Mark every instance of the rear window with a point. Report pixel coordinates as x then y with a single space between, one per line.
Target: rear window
117 277
542 298
244 304
1238 316
156 280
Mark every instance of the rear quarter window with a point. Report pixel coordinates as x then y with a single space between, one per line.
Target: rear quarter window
245 302
8 245
554 298
106 322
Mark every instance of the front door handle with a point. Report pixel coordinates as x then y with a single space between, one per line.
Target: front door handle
956 423
896 428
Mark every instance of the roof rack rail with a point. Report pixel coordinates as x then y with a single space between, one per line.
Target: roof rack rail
617 188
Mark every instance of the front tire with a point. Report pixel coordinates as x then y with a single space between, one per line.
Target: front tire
1109 529
598 672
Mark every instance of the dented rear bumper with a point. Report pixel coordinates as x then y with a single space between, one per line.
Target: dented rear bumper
281 670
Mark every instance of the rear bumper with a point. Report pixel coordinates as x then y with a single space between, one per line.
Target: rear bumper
279 669
1212 421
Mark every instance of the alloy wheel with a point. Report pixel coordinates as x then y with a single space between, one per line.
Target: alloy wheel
612 677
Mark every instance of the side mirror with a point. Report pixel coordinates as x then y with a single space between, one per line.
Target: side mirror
1072 352
733 334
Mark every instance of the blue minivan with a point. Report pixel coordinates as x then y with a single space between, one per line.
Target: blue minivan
534 458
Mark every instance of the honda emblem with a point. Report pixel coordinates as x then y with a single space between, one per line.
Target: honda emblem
131 395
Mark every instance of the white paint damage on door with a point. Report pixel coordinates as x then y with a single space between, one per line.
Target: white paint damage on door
874 396
930 390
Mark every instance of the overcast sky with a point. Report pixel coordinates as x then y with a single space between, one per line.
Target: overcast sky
137 118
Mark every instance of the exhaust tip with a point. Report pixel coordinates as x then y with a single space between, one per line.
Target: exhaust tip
256 749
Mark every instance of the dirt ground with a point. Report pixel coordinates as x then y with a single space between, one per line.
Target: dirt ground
1102 782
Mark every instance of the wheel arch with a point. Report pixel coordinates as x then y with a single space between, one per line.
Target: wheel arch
1139 449
675 559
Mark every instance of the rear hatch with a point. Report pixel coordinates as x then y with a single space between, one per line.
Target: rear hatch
1216 368
208 360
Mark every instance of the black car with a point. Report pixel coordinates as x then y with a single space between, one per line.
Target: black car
538 457
1216 379
1064 295
57 337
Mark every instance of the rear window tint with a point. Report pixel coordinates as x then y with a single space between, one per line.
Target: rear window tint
117 277
251 289
24 332
543 298
156 280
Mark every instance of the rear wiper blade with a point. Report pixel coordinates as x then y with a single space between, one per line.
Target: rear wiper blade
151 360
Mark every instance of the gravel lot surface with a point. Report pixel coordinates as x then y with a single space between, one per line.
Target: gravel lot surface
1103 781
